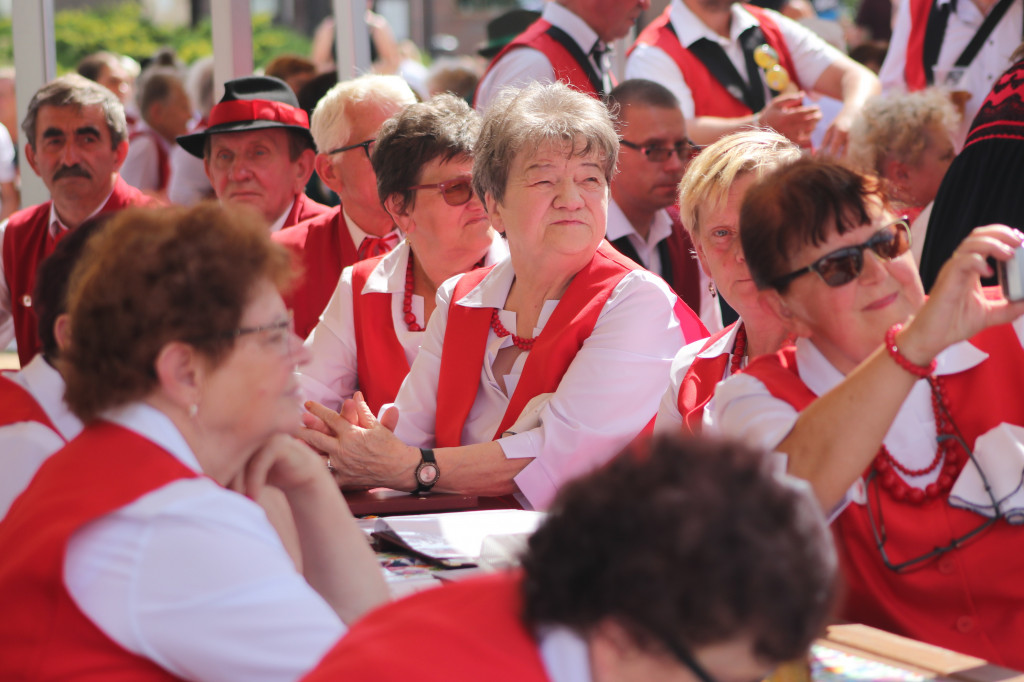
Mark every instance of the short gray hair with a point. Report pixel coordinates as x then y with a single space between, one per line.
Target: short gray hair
330 124
520 121
77 91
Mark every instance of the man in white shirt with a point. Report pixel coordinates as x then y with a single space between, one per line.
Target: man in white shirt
344 126
704 53
569 43
642 221
166 111
929 47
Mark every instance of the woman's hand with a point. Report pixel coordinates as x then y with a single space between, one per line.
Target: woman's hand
284 462
363 450
958 307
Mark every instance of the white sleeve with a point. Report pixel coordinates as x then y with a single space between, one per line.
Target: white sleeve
811 54
140 168
188 183
654 64
331 376
669 419
743 408
417 398
6 319
25 446
8 171
892 72
609 393
517 68
194 578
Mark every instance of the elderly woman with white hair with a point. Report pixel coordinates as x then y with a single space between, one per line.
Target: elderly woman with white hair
521 380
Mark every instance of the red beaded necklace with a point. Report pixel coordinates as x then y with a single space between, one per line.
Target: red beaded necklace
499 329
739 349
884 462
408 315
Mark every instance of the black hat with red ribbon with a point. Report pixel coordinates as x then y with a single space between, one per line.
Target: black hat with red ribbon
250 103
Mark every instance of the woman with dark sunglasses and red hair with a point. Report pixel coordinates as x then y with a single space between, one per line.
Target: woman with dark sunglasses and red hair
371 330
902 412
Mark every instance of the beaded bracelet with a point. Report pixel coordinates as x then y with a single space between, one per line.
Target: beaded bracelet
901 360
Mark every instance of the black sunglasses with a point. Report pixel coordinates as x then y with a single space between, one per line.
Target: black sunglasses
454 192
365 144
844 265
685 149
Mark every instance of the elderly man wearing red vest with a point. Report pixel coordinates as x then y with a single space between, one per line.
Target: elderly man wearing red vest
568 43
77 140
344 126
258 150
705 52
643 221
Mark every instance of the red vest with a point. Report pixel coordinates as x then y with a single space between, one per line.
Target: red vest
304 208
710 98
323 247
18 405
380 357
43 634
162 157
685 268
27 242
565 66
913 68
571 323
969 600
699 383
471 630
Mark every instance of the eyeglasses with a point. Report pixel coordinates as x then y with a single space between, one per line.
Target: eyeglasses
365 144
685 149
279 334
684 656
842 266
878 530
454 192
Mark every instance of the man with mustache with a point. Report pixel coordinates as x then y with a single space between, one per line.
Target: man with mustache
76 140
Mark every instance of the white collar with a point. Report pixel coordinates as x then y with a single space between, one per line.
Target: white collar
564 653
821 376
493 290
689 28
279 223
724 345
47 386
56 225
618 225
389 275
154 425
358 234
570 22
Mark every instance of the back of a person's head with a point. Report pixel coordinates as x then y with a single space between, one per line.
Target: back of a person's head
640 92
690 541
157 84
91 66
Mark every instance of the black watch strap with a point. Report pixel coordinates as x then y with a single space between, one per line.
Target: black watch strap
427 462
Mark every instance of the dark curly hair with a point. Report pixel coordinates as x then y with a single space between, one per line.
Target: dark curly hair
443 128
688 541
801 203
154 276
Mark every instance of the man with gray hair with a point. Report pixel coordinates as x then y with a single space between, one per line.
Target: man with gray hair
76 140
344 127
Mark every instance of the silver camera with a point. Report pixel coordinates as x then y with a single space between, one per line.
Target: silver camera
1011 275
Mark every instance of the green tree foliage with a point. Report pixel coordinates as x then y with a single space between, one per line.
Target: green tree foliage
122 28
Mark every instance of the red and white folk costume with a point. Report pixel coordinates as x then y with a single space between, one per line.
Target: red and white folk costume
967 599
363 342
586 388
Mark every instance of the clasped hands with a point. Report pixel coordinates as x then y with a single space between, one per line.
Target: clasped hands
363 450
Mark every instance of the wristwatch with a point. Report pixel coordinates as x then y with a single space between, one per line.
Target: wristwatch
427 473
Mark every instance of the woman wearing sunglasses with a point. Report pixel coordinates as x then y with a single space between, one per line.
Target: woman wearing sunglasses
541 368
900 411
371 330
710 196
130 553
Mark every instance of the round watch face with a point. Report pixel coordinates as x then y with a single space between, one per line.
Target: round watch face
427 473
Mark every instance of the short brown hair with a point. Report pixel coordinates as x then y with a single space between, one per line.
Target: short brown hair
76 91
520 121
689 541
154 276
443 128
801 203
